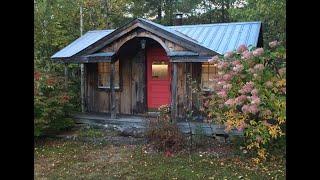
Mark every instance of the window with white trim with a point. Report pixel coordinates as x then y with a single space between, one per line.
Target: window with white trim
104 72
209 71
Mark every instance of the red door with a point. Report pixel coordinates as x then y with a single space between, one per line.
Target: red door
158 77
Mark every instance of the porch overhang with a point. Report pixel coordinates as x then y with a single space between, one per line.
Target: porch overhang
92 58
182 59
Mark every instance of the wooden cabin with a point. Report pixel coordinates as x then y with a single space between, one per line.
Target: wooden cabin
141 65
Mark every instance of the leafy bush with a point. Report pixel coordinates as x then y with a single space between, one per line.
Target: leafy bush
91 133
52 103
250 95
164 134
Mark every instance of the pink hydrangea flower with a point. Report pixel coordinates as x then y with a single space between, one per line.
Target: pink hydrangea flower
227 77
273 44
253 109
228 55
222 94
283 90
258 52
230 102
237 62
238 68
254 92
227 86
247 55
258 67
222 65
242 48
246 88
245 109
255 100
240 99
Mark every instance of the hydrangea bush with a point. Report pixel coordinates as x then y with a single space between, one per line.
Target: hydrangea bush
250 94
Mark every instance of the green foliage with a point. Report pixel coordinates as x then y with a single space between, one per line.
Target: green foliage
91 133
272 13
52 104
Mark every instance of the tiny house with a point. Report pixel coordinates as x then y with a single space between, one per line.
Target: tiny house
142 65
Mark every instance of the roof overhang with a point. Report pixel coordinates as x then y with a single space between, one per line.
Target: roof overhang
193 59
93 58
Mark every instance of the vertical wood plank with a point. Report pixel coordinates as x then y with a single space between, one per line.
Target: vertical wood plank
174 82
113 103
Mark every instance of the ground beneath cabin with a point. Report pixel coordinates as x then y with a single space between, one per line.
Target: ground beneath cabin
100 154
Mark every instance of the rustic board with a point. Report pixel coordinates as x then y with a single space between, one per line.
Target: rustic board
125 94
138 83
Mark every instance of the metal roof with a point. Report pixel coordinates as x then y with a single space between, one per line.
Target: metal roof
220 38
81 43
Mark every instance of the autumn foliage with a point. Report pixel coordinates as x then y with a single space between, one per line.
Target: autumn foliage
52 103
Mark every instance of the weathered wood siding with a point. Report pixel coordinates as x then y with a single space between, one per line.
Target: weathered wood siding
131 98
184 91
125 94
139 83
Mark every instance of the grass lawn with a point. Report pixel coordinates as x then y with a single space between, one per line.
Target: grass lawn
68 159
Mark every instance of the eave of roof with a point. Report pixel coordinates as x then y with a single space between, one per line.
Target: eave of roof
219 38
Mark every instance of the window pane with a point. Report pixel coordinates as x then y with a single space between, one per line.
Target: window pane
159 70
209 71
104 72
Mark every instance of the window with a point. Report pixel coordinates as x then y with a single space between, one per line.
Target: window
159 70
209 70
104 72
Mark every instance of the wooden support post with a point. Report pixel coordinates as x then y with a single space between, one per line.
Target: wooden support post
188 77
82 87
174 83
113 98
66 76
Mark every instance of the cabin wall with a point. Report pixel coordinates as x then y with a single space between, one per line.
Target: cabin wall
131 96
185 100
128 98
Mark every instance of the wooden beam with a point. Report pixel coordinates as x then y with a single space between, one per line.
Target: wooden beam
113 95
82 87
174 83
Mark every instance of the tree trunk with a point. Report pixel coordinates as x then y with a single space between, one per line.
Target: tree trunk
81 66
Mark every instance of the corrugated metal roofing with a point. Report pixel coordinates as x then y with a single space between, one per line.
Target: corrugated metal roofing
81 43
177 33
220 38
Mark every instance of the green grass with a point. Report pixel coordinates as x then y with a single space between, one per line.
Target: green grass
59 159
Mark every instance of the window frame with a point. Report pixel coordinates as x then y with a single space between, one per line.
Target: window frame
116 87
209 71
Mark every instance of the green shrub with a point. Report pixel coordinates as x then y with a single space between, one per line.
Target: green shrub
91 133
52 103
